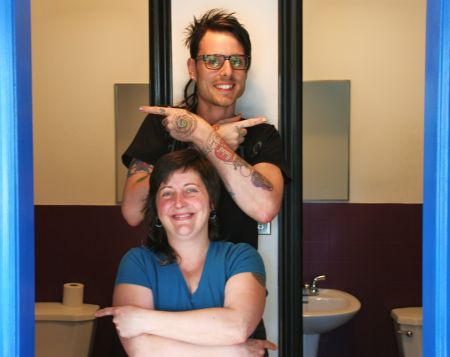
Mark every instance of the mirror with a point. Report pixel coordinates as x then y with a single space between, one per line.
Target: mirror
127 97
326 129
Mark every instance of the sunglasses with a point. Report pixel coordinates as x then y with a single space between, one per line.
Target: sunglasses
217 61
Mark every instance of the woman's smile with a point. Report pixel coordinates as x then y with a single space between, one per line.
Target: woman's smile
183 205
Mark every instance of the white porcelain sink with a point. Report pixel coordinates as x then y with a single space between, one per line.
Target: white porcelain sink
328 310
324 312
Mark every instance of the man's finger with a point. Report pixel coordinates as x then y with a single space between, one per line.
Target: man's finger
247 123
242 132
230 120
107 311
156 110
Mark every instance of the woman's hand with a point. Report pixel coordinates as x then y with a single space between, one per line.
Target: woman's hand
129 320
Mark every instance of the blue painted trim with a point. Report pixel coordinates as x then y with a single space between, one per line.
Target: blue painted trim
16 185
436 208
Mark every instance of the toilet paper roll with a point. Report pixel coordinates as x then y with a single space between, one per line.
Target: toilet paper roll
73 294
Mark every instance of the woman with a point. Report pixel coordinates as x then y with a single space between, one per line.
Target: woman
186 294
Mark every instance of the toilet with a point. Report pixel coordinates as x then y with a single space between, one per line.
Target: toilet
64 331
408 329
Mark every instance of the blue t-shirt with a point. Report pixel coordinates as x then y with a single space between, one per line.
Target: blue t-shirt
141 266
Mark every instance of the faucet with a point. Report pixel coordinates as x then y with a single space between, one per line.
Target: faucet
312 289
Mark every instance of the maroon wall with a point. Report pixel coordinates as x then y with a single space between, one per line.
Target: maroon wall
370 250
83 244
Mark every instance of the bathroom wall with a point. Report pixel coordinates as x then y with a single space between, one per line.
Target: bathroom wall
79 50
380 47
372 251
83 244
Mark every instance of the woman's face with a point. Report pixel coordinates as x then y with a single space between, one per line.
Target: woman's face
183 206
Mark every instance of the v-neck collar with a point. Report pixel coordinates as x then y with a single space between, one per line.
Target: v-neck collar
202 275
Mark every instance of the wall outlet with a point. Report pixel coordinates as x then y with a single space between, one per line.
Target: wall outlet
264 228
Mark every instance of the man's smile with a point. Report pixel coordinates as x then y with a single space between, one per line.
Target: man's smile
224 86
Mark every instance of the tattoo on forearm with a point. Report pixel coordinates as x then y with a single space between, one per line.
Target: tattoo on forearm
212 140
243 166
260 278
185 124
138 166
260 181
222 151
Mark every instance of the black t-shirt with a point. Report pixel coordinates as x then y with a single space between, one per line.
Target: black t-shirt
262 144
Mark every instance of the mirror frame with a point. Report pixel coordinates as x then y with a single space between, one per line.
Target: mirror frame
290 247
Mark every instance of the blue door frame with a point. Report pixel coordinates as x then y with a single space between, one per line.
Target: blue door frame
436 207
16 190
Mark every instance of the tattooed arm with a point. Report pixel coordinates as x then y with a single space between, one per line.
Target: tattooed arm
257 190
135 191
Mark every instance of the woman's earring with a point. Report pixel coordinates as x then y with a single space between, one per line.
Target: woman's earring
213 215
158 223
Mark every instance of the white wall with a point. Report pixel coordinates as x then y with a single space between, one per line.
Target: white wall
260 98
79 50
380 47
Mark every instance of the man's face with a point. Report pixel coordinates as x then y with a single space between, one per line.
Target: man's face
220 87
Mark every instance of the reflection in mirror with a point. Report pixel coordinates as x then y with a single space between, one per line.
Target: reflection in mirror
379 46
326 120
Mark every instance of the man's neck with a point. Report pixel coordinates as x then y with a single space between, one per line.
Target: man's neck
213 114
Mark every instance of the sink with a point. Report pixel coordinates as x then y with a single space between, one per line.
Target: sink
324 312
328 310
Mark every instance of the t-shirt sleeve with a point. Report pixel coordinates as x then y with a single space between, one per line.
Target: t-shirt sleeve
149 143
243 258
136 268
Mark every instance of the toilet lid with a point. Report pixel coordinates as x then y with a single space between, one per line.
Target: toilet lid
408 315
55 311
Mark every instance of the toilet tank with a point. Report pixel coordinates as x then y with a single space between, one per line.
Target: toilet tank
408 328
63 331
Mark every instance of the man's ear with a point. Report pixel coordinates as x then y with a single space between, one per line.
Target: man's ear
192 69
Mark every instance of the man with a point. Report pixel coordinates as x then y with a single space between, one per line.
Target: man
246 153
